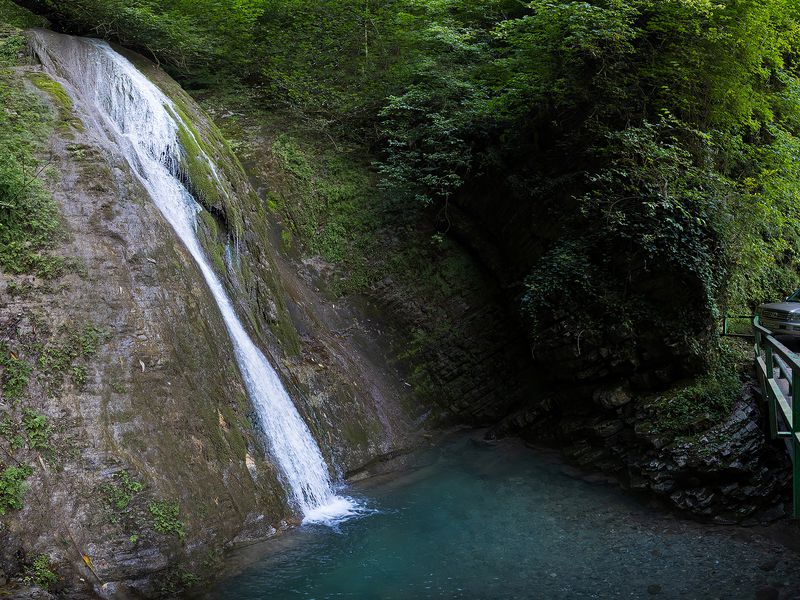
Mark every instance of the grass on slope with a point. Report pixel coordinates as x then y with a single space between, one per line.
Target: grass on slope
29 219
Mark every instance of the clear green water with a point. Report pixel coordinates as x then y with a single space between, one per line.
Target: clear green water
507 522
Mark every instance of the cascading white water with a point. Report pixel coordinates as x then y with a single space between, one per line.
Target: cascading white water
144 123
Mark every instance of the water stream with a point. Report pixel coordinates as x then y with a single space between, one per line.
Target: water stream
144 123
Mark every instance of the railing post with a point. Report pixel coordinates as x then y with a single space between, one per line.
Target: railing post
771 402
795 451
757 335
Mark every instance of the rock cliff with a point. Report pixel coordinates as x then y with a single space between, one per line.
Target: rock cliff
130 421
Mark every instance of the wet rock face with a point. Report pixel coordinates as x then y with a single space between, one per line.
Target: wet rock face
131 368
479 369
728 473
153 463
331 361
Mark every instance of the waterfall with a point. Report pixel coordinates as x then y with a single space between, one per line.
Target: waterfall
144 123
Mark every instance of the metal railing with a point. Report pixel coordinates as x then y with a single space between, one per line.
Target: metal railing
775 362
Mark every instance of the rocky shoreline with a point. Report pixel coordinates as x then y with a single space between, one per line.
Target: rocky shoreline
727 473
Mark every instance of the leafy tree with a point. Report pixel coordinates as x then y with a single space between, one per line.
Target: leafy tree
653 143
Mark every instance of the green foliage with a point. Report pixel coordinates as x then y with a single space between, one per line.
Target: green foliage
165 518
566 265
664 218
10 431
61 355
12 45
427 156
37 430
158 28
29 219
15 375
119 493
329 203
57 357
40 573
13 15
188 579
13 487
697 405
79 375
654 143
6 427
87 340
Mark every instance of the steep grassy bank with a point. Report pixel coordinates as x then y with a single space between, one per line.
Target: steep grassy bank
29 220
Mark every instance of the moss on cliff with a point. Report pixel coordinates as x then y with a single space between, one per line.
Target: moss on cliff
330 205
13 487
695 406
29 219
54 88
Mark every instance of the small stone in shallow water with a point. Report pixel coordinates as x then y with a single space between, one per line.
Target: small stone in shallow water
653 589
769 565
767 593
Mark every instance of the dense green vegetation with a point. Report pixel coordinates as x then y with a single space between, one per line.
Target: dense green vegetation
13 487
634 160
670 123
40 572
28 216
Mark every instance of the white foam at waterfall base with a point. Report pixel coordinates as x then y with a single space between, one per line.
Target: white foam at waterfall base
339 509
143 122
